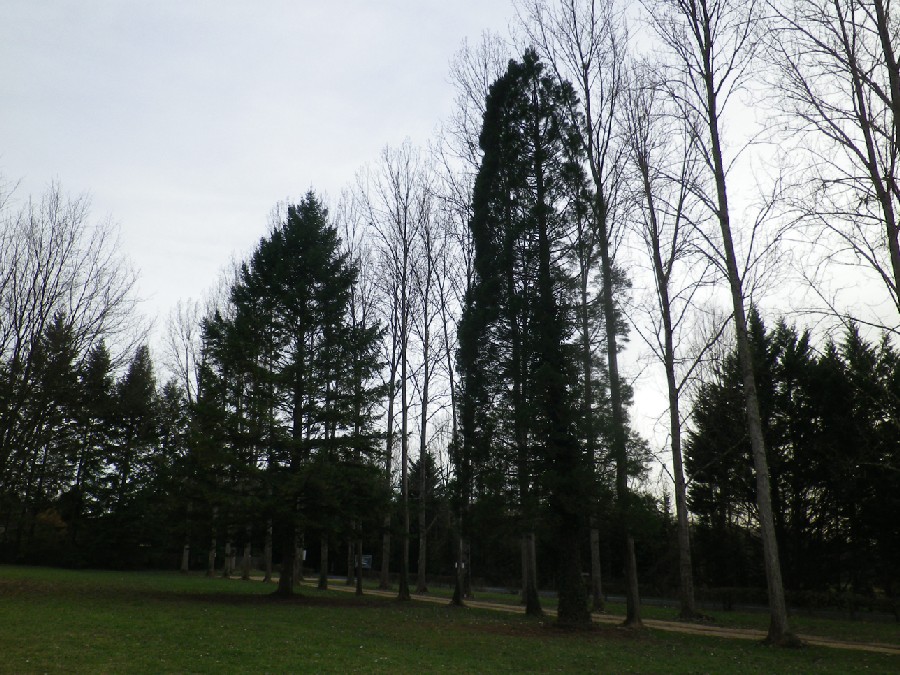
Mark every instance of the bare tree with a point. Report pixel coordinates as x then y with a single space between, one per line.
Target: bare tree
395 202
350 221
425 278
838 83
712 44
664 155
182 344
54 265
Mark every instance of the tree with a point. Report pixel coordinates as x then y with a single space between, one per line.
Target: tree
838 78
586 44
473 70
712 44
54 266
825 416
287 384
425 273
664 155
529 189
397 201
95 424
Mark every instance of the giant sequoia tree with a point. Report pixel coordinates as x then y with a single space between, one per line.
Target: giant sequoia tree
516 360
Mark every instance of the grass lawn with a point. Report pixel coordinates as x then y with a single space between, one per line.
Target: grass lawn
65 621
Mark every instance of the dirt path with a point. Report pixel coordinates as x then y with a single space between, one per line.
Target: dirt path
671 626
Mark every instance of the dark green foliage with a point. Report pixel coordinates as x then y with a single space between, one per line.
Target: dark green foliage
830 421
287 388
516 359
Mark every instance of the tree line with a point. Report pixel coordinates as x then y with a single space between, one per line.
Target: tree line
475 301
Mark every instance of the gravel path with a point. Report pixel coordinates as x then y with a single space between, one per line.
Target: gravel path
671 626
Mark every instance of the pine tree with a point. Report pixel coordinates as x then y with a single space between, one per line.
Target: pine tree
286 383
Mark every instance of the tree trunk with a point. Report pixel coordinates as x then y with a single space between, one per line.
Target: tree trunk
403 591
359 568
299 555
421 585
779 631
597 603
620 447
211 557
351 567
530 597
287 578
459 577
245 559
384 581
323 565
186 556
267 554
228 568
688 609
385 577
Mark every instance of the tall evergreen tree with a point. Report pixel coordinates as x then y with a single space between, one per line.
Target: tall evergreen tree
287 385
528 191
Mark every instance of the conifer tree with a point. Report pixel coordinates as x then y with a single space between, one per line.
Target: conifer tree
515 349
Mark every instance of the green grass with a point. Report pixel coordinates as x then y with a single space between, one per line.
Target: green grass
65 621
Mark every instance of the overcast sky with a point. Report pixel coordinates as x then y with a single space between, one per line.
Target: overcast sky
186 121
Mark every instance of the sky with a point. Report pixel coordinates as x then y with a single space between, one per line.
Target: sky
187 121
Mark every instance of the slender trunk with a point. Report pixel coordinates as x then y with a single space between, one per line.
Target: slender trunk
421 585
597 603
620 447
779 631
186 551
245 560
211 558
359 568
403 591
323 565
286 579
267 552
459 577
351 567
530 597
385 578
467 569
299 555
688 609
227 569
